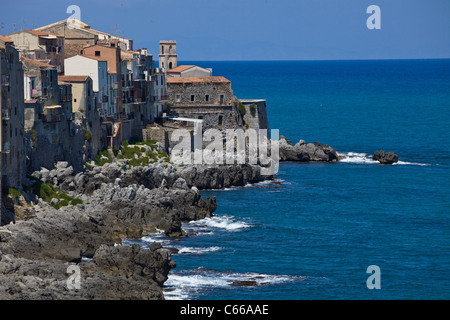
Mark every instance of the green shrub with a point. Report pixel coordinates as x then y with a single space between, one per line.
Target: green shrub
47 192
88 136
115 151
253 109
242 109
14 193
102 157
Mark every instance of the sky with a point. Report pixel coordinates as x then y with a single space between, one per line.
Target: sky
220 30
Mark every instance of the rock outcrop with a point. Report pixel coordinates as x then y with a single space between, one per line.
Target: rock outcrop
117 204
304 152
385 157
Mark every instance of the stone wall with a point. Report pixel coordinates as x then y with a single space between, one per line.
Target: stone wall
255 114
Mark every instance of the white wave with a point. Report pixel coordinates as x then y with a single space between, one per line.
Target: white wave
274 181
185 285
228 223
411 163
364 158
197 250
148 240
354 157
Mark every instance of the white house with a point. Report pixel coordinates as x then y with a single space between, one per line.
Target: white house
97 69
189 71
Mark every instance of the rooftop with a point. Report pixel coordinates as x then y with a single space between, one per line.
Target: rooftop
38 63
198 80
179 69
72 78
5 39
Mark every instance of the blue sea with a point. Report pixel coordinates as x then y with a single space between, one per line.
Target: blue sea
313 231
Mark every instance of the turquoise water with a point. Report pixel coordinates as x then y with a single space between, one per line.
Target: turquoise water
312 233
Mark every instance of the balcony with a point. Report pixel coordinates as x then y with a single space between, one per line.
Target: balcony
5 115
5 80
5 147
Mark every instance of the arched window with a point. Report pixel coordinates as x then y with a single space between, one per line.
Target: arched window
170 65
162 49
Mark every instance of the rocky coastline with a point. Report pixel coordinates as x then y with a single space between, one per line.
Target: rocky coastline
113 203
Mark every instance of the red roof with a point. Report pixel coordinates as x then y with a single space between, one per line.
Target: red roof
5 39
179 69
38 63
72 78
197 80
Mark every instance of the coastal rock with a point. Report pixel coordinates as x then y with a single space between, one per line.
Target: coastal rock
385 157
304 152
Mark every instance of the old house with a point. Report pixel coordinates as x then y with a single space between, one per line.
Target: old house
12 164
50 130
79 34
97 69
112 55
85 109
207 98
39 45
189 71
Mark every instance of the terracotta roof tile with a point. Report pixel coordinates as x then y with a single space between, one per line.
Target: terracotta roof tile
179 69
5 39
197 80
38 63
72 78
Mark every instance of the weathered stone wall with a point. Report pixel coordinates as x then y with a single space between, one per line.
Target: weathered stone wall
12 113
255 114
180 93
218 117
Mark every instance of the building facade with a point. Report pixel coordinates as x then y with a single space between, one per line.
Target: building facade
12 113
97 69
39 45
208 98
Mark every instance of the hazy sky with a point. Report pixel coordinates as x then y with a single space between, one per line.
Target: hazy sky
257 29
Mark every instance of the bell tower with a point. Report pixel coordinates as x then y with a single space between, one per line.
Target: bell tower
168 54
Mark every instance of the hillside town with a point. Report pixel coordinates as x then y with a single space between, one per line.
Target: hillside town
69 91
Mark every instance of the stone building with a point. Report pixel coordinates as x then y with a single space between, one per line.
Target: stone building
12 112
168 58
208 98
85 110
51 134
39 45
79 34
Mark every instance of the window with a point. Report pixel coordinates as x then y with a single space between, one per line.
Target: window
178 98
170 65
97 53
207 98
222 98
192 97
74 100
220 120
